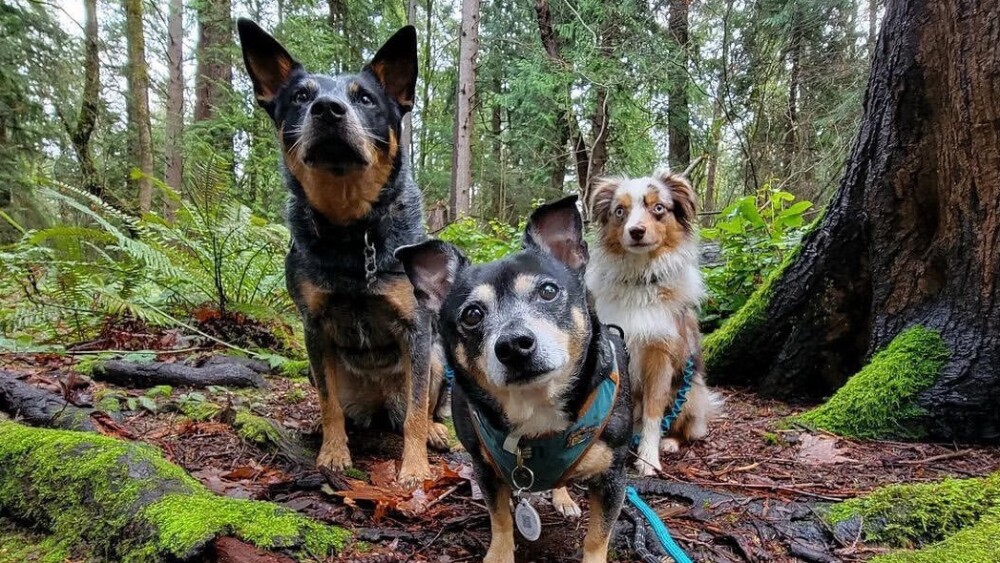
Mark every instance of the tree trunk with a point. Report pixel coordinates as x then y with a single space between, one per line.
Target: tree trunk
138 78
427 74
872 27
214 78
87 118
678 112
461 161
406 143
175 102
911 238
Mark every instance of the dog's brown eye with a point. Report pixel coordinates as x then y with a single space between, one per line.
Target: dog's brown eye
301 97
619 212
472 316
548 291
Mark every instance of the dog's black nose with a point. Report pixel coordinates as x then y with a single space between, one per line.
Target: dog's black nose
328 109
515 347
637 232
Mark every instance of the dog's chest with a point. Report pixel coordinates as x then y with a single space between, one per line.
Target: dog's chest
639 311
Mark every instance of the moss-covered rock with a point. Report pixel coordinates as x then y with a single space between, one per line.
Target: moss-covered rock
952 520
880 400
111 500
256 429
18 545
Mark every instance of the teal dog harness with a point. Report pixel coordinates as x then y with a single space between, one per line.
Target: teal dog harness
546 462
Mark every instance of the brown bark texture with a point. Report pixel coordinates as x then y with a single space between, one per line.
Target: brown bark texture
138 76
214 78
912 236
678 110
175 99
461 161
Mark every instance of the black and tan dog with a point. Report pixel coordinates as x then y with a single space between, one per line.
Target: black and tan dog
353 202
538 401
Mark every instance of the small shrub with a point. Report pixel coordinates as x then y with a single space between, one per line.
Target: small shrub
755 234
483 243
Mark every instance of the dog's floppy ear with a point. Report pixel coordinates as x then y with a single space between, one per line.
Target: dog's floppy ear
395 67
557 228
432 267
683 195
600 201
267 62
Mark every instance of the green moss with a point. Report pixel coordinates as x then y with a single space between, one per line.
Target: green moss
906 515
295 368
18 545
951 520
979 543
355 473
199 410
109 404
103 496
160 392
186 522
880 400
748 319
255 429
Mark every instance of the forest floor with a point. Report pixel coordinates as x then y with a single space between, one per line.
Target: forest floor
751 491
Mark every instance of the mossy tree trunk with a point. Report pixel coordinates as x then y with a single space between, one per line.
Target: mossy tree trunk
911 238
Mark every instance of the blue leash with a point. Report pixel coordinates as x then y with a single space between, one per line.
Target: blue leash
666 541
662 534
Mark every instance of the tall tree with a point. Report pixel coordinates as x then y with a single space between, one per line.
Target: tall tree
175 99
461 174
911 238
214 78
406 143
678 110
138 78
82 130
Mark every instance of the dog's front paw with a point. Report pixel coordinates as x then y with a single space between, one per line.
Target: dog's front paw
413 474
334 456
648 465
564 504
669 446
499 555
437 437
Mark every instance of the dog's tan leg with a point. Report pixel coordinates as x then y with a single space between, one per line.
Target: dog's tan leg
333 454
416 366
605 506
564 504
437 433
502 524
657 375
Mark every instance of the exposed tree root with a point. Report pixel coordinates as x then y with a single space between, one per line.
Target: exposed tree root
41 408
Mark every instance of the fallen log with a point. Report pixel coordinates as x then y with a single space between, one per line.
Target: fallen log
143 375
222 360
41 408
112 500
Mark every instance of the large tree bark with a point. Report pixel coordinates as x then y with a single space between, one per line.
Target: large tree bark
406 143
214 78
86 120
912 237
138 78
678 111
461 161
175 100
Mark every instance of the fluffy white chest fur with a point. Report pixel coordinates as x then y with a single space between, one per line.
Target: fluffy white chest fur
645 297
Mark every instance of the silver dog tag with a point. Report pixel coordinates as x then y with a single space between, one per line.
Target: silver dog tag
528 522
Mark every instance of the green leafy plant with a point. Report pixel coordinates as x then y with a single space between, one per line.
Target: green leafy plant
483 243
101 262
755 234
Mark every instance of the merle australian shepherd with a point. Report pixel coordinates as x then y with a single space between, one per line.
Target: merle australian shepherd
644 277
353 202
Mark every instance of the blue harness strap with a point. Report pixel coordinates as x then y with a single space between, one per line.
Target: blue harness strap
549 459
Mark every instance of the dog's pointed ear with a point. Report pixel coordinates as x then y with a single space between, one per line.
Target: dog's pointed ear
600 201
683 196
432 266
557 228
268 63
395 67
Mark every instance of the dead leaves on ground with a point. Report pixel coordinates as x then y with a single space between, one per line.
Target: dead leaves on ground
388 496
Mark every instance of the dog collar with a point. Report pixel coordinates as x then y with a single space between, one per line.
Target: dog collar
545 462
